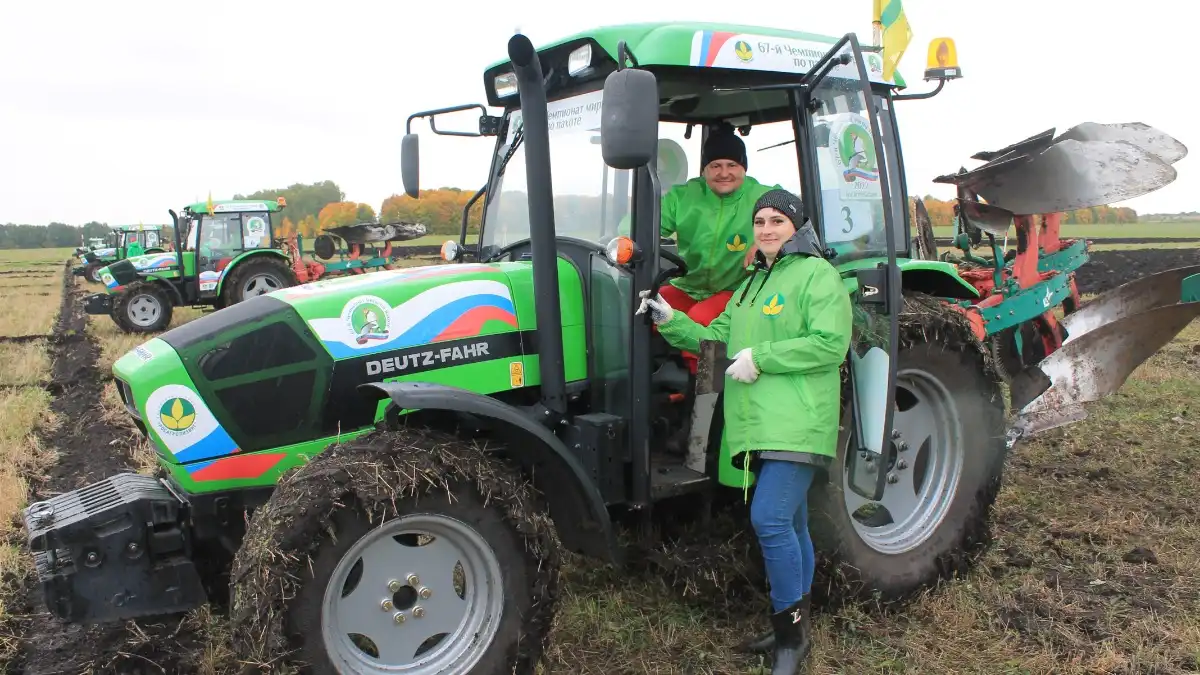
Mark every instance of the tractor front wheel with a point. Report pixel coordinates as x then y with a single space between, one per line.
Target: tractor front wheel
943 473
257 276
92 272
143 307
407 551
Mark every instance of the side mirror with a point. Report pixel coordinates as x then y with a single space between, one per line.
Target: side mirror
410 165
629 119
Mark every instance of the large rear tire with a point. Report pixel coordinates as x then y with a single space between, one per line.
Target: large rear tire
256 276
338 554
944 472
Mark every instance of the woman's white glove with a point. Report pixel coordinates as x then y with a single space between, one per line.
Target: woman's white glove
743 369
660 311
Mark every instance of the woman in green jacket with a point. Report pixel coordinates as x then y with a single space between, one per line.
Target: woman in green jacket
788 332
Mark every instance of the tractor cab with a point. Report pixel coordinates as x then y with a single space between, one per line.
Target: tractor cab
214 235
817 117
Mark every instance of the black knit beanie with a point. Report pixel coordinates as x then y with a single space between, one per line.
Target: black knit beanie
784 202
723 144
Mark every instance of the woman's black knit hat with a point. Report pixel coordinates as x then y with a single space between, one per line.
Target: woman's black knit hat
784 202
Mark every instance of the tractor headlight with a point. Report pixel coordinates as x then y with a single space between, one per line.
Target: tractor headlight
505 85
579 60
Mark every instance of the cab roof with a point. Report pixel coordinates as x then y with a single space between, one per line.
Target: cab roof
137 228
666 47
232 205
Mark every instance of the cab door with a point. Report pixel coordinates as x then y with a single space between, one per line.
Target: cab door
847 185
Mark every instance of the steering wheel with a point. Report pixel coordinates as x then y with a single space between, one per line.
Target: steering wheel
681 268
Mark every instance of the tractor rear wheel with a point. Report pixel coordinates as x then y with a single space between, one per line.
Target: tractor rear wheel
257 276
143 307
944 471
409 551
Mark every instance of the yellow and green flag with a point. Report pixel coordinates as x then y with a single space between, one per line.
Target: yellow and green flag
210 203
889 19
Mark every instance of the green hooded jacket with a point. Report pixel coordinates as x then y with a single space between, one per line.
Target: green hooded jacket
797 319
713 233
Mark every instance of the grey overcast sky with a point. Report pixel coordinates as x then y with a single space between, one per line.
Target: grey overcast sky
117 111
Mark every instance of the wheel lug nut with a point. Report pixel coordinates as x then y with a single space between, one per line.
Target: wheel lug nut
902 464
399 617
418 611
895 433
394 585
892 478
425 593
386 605
413 580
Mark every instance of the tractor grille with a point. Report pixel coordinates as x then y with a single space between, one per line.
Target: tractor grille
126 395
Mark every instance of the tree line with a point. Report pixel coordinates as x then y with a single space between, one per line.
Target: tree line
313 208
941 213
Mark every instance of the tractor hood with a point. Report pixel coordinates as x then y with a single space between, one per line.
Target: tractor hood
392 309
123 272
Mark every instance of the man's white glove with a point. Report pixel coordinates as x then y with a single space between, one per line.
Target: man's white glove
660 311
743 369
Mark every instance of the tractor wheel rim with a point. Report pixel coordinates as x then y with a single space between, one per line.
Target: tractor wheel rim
260 284
144 310
401 588
926 472
95 275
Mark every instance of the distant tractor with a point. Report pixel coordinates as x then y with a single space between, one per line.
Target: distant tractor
390 465
224 253
123 242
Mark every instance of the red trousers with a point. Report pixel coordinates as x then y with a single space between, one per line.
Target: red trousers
702 312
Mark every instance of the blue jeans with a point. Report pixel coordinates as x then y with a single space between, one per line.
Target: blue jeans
779 514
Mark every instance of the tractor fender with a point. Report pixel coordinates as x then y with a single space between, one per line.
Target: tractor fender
937 278
243 256
172 289
576 506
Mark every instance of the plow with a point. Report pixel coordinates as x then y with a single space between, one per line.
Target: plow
351 249
1055 364
486 415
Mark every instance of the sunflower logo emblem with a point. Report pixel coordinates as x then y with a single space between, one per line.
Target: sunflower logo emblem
177 414
743 51
773 305
735 244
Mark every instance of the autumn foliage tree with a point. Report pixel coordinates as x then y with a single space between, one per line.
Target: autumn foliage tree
338 214
941 213
439 210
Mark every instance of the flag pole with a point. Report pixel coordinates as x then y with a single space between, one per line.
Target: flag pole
877 23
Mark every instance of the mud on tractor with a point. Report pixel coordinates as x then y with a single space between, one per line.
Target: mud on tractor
124 241
436 436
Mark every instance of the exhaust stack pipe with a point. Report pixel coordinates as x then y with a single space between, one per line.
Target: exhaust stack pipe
528 70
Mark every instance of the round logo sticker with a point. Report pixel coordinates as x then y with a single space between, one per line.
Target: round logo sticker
743 51
854 153
107 279
177 415
735 243
256 225
367 318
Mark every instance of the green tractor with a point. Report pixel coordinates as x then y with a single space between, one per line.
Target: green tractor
224 253
125 241
415 447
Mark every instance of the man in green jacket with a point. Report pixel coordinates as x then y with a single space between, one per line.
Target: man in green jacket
710 216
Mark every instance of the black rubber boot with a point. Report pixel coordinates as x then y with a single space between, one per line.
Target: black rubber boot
765 643
793 639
